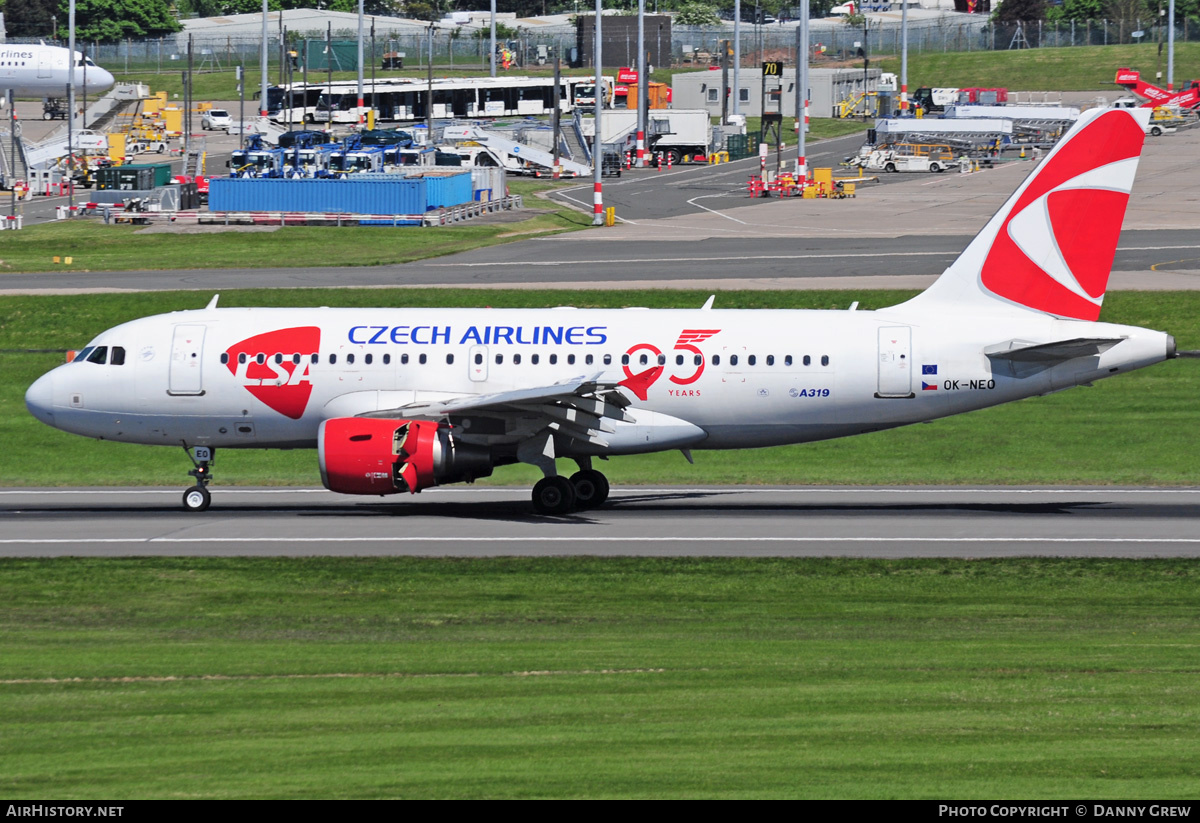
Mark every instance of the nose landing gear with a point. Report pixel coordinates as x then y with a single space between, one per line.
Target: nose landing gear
198 498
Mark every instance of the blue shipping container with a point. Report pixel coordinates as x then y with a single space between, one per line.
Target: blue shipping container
359 194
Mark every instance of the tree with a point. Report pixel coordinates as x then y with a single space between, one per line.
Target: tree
1012 11
697 14
112 20
30 18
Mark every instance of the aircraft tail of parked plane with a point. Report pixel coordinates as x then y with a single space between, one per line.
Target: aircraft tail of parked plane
397 400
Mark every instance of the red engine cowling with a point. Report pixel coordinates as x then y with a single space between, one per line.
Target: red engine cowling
361 455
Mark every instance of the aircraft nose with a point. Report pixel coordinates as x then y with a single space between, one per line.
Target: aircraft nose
39 399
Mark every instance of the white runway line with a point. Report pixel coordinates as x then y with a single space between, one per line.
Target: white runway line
578 540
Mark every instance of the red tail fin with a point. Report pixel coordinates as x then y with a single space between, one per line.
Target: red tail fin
1051 247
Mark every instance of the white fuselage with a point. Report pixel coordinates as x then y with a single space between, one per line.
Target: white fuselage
728 379
44 71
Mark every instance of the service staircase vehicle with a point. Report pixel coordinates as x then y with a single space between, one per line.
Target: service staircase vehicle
520 158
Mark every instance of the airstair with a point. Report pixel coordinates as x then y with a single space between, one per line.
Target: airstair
511 148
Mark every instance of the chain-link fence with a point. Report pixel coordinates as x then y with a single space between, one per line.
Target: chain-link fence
462 50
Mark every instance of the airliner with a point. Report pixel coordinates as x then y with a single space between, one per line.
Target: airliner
396 400
42 71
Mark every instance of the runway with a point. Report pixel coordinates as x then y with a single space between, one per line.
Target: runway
728 521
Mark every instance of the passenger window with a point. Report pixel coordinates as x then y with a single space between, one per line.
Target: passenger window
716 359
570 360
625 360
404 359
260 358
644 360
697 359
533 358
733 359
332 359
278 358
608 359
387 358
99 355
316 358
449 359
516 359
588 359
478 359
499 359
553 359
296 359
368 358
807 360
751 360
224 357
824 360
349 358
787 361
770 360
422 359
679 360
662 360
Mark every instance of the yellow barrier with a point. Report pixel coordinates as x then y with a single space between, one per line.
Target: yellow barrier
718 157
610 216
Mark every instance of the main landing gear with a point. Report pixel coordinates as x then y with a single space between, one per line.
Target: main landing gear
586 489
198 498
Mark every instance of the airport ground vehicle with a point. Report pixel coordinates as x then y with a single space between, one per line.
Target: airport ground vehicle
398 400
215 119
924 157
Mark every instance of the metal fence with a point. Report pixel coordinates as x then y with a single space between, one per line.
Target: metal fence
463 51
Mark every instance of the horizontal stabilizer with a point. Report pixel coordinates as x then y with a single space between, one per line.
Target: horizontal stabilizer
1020 351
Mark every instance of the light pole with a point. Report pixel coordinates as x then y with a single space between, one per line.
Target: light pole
598 139
262 105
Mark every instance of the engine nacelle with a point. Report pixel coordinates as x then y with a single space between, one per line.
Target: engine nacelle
360 455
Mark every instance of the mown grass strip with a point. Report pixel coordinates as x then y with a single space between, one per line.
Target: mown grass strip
1136 429
582 677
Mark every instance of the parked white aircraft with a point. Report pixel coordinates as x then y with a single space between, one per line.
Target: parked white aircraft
42 71
397 400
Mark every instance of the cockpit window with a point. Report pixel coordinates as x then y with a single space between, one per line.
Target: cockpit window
83 355
118 356
99 355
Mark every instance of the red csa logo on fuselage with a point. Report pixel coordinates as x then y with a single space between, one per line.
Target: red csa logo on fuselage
640 384
284 386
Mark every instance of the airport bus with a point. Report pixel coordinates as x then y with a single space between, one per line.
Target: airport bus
404 99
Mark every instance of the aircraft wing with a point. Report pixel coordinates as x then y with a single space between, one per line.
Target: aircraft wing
578 408
1056 352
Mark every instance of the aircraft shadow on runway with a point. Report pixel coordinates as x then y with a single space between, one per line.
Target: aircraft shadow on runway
691 503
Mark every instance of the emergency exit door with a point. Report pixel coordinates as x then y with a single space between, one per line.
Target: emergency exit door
895 362
187 348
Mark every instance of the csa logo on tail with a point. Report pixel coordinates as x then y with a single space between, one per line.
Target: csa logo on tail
1054 252
284 386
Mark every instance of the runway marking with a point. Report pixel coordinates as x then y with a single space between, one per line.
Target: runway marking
175 678
699 259
578 539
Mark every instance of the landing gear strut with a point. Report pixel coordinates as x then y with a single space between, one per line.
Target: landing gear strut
197 498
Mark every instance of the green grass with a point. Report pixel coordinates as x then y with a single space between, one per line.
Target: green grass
1138 428
94 246
589 677
1082 68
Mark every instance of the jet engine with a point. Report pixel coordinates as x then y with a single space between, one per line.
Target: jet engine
360 455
